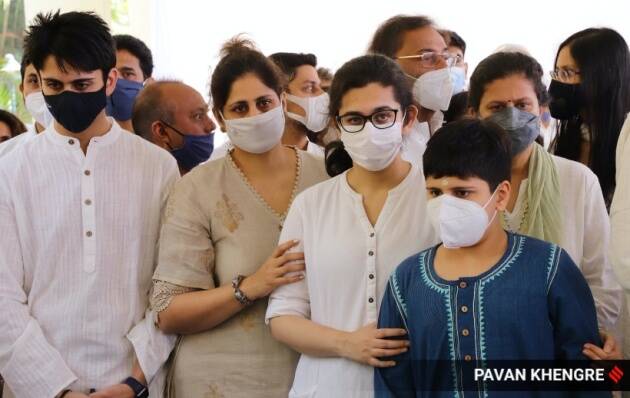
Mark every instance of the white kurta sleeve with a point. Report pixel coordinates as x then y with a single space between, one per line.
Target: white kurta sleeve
30 365
151 346
620 211
291 299
595 263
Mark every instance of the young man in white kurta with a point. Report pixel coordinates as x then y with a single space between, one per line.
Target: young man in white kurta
348 263
76 258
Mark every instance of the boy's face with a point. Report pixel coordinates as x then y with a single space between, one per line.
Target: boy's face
472 188
54 80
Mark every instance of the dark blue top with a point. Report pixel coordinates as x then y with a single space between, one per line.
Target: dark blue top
534 304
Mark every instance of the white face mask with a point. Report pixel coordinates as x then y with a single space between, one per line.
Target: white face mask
371 148
316 109
256 134
36 106
434 89
458 76
459 222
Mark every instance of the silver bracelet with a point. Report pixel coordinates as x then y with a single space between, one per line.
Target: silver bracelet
238 293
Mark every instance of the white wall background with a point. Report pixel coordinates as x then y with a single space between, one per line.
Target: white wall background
189 33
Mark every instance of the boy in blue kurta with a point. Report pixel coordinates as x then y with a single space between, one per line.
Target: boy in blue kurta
483 294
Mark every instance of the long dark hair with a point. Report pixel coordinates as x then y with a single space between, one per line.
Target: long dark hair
357 73
603 59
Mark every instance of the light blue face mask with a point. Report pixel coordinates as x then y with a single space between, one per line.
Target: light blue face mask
120 103
458 76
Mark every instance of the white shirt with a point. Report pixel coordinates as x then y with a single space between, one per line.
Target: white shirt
620 211
585 234
14 142
76 261
348 263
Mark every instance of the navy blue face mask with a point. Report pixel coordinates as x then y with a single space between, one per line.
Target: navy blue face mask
196 149
120 103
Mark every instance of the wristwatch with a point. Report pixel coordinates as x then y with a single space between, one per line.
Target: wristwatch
139 389
238 293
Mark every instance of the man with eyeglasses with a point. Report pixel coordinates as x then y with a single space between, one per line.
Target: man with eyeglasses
422 53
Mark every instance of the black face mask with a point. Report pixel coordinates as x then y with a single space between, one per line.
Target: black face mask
566 100
76 111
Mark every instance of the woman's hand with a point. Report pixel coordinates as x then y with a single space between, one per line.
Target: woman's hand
368 344
273 272
610 351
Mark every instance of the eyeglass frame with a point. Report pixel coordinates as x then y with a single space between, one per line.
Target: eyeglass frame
366 118
569 74
449 58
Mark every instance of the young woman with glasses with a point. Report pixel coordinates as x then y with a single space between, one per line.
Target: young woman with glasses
353 230
590 96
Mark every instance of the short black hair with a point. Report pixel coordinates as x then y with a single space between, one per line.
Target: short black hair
458 107
452 39
289 62
80 40
15 125
503 64
138 49
23 65
325 73
387 39
469 148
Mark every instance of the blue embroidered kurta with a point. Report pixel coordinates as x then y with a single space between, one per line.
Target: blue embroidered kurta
534 304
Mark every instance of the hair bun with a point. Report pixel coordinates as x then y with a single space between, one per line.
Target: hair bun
236 45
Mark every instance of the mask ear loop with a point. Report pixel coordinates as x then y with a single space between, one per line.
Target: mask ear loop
488 202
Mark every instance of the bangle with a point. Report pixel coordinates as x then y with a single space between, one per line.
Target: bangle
64 393
238 293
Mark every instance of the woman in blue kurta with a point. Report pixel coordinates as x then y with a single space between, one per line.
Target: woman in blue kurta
530 303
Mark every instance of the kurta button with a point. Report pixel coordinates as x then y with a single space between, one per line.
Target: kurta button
88 202
371 253
372 235
371 276
465 332
463 285
88 234
464 309
370 300
71 141
467 358
86 172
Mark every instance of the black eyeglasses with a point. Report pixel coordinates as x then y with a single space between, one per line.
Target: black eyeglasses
354 122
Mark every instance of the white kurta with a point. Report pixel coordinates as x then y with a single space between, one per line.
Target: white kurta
620 211
77 254
348 262
585 234
14 142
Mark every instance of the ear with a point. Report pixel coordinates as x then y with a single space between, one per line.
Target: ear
149 81
219 119
411 115
503 195
110 83
21 87
159 135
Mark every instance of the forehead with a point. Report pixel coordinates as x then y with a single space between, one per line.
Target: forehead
51 70
509 88
30 70
183 98
305 73
5 131
425 38
125 58
565 59
455 50
366 99
247 88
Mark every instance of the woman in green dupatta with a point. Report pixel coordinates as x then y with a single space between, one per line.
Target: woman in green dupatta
554 199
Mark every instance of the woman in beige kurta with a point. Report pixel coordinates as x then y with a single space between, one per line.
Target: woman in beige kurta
218 227
223 220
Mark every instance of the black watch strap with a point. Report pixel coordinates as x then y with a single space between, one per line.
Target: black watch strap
139 389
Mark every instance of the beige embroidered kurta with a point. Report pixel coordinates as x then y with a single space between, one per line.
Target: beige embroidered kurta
217 227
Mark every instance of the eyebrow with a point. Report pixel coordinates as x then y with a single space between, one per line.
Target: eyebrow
75 81
504 101
378 109
127 69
